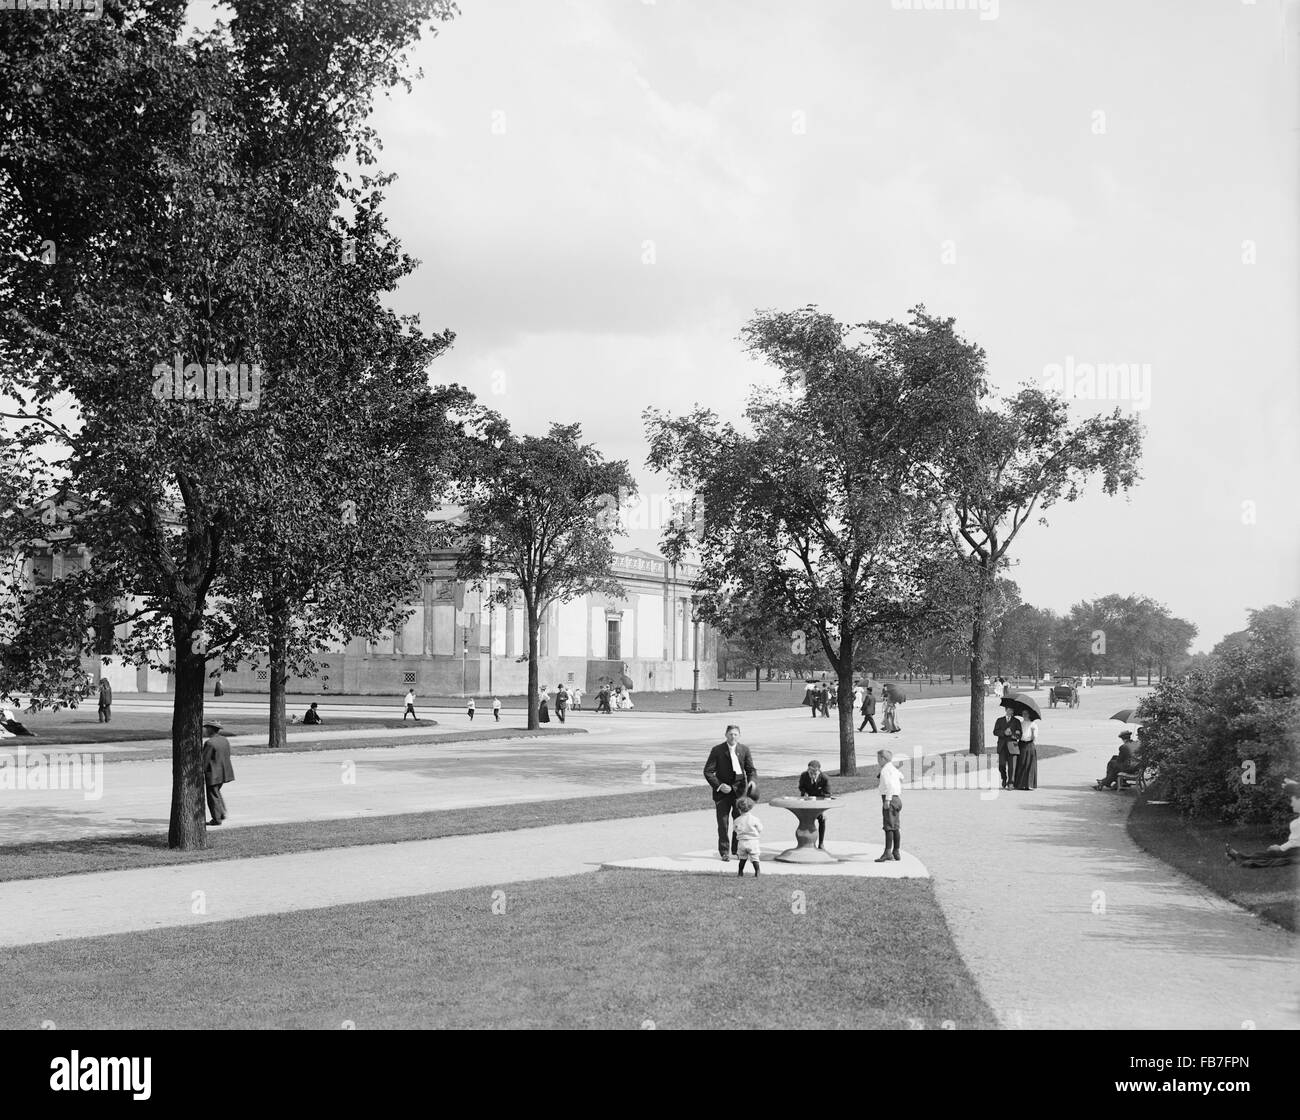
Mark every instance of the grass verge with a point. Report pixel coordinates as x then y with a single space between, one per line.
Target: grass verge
1196 849
608 950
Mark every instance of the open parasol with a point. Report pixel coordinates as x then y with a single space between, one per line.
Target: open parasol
1128 715
1023 700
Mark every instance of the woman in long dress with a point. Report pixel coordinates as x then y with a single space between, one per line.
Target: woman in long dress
543 707
1027 764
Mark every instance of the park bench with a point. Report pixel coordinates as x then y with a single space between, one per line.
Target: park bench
1141 779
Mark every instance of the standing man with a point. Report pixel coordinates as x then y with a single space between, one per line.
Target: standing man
410 706
826 700
216 770
869 709
105 700
816 704
730 773
561 701
890 788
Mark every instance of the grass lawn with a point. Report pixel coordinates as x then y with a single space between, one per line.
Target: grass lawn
112 853
69 727
612 949
1196 849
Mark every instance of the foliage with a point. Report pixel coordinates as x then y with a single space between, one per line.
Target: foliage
537 519
1225 736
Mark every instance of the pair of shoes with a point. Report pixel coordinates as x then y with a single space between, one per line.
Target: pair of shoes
886 858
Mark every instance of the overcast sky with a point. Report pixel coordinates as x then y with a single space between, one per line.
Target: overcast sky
1097 182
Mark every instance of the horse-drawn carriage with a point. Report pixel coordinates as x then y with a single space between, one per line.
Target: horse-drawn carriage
1065 691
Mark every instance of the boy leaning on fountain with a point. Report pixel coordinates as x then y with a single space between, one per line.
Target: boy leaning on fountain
890 788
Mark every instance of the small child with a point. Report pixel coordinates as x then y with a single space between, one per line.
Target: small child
496 709
748 827
470 709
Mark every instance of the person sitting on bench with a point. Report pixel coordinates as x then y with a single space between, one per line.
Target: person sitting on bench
1122 763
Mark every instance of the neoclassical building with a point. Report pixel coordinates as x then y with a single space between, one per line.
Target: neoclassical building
455 643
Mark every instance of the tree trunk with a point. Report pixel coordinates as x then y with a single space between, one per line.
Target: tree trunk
279 645
952 669
979 639
848 726
533 681
188 828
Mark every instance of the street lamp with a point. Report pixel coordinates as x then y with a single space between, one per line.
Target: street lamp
695 642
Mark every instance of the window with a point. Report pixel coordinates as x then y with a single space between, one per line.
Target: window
614 644
263 674
408 676
570 678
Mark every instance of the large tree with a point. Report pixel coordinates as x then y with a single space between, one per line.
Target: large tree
539 517
159 203
1011 462
821 508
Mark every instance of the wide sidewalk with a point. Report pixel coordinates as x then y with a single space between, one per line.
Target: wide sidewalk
1061 919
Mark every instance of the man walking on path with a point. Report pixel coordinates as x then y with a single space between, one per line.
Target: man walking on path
105 700
561 701
410 706
216 770
730 773
869 710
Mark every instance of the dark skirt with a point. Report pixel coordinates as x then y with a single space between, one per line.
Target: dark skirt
1027 766
543 713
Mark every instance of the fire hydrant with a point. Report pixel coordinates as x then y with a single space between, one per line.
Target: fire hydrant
731 699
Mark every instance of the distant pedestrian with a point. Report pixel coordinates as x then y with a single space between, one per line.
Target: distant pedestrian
561 701
576 698
496 709
826 700
469 708
869 709
888 723
218 689
602 701
217 770
105 700
815 703
808 691
410 706
544 706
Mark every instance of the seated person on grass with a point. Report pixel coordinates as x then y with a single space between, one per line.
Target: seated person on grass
311 715
1275 855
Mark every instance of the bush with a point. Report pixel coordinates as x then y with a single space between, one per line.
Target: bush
1225 735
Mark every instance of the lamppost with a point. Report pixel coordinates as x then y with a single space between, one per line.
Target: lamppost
491 606
695 642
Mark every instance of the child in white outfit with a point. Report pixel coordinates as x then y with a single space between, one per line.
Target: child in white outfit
748 828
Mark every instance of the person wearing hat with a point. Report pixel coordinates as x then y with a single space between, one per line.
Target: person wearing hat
1123 763
216 769
890 788
1004 730
1275 855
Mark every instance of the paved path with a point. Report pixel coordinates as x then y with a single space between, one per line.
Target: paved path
1046 896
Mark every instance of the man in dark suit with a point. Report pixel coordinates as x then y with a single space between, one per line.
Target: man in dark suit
730 773
216 769
813 783
869 710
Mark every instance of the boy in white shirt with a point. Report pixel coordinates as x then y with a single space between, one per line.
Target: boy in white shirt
890 788
748 828
496 709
